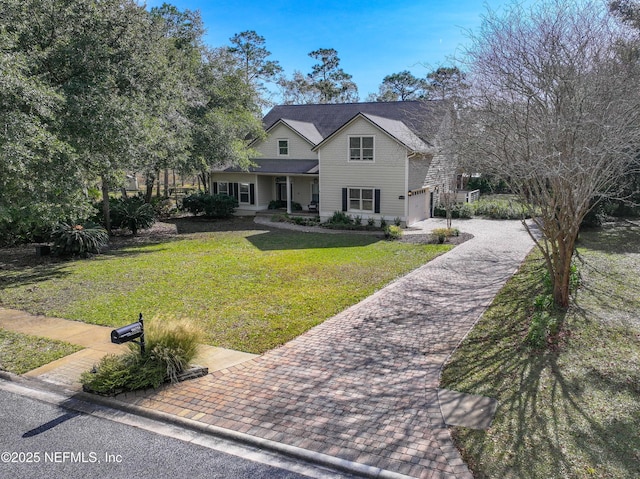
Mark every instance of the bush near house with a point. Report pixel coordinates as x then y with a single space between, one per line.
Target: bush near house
213 206
441 234
393 232
458 210
281 204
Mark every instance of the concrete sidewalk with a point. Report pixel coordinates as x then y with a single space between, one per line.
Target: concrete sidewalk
361 390
96 341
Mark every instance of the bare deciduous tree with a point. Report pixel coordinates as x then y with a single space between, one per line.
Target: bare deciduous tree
554 110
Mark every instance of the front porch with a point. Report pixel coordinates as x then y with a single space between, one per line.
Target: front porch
292 185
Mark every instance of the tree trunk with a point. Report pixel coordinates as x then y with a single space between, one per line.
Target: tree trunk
105 205
149 181
166 183
561 276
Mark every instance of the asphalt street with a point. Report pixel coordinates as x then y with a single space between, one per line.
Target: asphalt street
42 440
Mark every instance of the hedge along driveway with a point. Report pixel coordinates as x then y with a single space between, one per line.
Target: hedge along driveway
249 290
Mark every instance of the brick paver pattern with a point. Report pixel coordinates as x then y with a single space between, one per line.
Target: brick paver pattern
363 385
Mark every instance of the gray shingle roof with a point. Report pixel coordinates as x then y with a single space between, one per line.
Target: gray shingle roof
307 130
279 166
418 116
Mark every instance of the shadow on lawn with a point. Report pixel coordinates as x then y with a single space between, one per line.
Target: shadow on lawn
618 238
548 414
272 240
20 266
199 224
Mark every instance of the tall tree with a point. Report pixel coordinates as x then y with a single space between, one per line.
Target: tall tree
331 81
446 82
402 86
554 111
627 10
248 48
39 178
225 116
168 127
298 90
327 82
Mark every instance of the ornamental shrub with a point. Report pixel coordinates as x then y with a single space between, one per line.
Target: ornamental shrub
132 214
340 218
393 232
194 203
78 239
443 233
213 206
170 348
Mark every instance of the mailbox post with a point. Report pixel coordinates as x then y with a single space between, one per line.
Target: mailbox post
130 333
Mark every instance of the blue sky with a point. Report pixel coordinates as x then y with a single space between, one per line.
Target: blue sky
374 38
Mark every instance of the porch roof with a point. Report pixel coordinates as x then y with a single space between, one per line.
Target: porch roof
279 166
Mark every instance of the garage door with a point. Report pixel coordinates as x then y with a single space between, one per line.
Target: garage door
418 206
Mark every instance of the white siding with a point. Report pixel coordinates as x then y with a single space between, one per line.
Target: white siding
299 148
388 171
265 191
418 171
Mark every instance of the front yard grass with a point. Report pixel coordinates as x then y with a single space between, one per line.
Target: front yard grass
20 353
250 290
572 411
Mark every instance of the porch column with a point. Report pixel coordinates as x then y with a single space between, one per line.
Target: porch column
288 195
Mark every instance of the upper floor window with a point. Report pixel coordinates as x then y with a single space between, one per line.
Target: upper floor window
361 148
283 147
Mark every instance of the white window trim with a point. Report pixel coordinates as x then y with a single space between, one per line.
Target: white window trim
248 193
278 146
361 188
360 160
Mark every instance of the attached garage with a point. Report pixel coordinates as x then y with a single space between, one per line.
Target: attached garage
418 206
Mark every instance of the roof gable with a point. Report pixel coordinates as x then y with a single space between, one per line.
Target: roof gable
306 130
417 116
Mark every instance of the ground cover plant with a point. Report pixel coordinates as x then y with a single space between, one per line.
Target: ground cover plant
170 346
571 409
20 353
248 289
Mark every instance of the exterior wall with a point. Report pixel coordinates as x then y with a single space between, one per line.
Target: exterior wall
302 190
240 178
265 188
388 172
441 176
265 192
299 148
418 171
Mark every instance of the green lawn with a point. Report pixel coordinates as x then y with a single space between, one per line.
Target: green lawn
249 290
572 411
20 353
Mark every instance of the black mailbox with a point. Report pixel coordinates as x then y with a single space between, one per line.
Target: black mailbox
130 332
126 333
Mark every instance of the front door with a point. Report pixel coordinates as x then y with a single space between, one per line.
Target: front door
281 189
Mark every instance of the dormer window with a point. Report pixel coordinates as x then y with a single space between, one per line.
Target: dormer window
283 147
361 148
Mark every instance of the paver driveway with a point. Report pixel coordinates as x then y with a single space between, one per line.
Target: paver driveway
362 386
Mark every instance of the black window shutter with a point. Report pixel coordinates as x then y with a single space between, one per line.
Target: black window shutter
377 201
236 191
215 187
344 199
252 193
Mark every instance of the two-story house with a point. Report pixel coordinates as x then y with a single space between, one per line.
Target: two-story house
373 160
